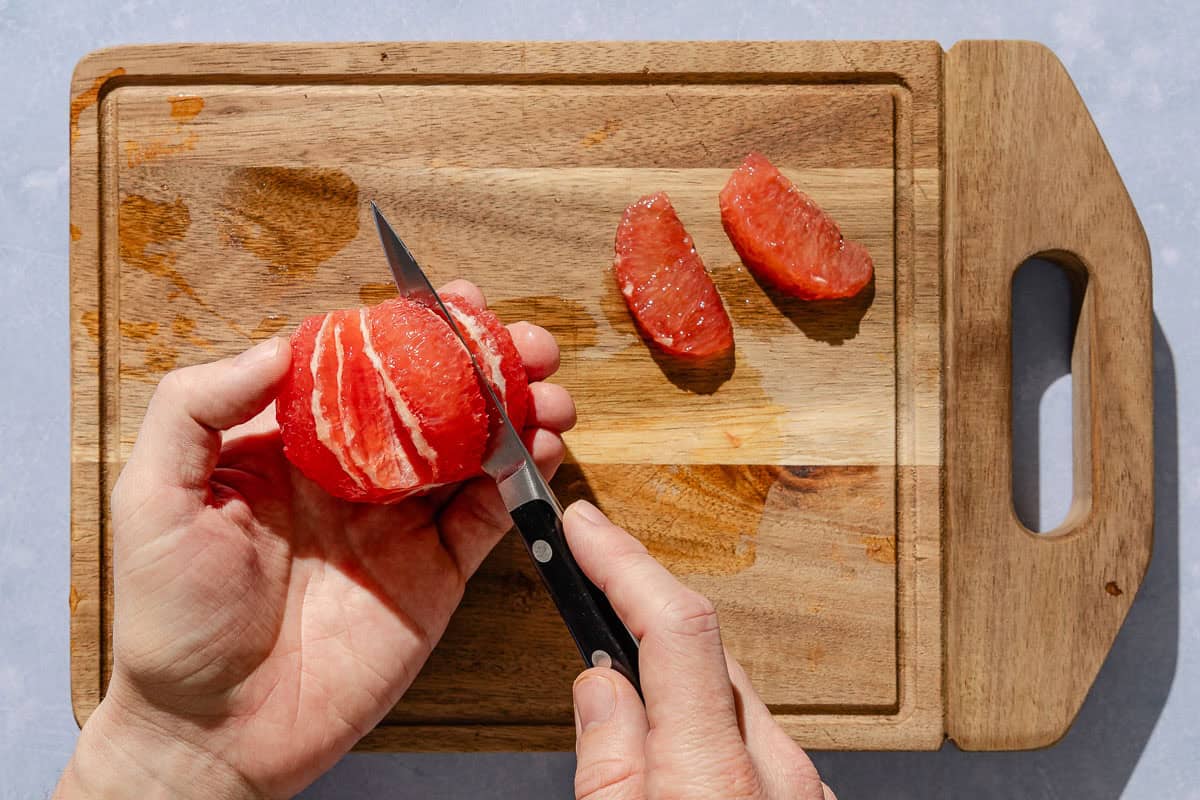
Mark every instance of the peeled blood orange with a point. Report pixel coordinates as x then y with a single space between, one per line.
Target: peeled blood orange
382 402
664 282
786 239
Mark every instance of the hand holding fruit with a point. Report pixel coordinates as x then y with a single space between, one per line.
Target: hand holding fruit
262 626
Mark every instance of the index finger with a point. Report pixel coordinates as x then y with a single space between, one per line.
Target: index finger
684 676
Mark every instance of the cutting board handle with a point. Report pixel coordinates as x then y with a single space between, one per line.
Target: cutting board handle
1030 618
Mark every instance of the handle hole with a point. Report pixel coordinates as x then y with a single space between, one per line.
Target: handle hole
1047 299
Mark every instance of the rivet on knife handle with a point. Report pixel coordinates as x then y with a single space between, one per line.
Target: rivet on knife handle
602 639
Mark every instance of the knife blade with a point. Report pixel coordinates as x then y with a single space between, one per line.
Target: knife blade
601 637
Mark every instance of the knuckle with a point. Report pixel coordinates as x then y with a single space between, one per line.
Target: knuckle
746 783
175 379
727 775
690 614
630 554
744 780
608 779
625 563
173 385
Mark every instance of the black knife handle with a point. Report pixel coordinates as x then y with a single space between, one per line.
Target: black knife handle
602 639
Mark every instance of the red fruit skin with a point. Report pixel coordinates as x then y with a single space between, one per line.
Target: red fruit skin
665 285
490 343
786 239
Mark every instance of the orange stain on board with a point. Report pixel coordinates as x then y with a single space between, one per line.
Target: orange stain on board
158 359
138 330
268 326
138 153
294 219
160 354
88 97
185 107
600 134
614 307
73 598
76 234
90 320
184 329
746 301
374 293
147 232
881 549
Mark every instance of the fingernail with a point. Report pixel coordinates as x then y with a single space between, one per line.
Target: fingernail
589 512
594 701
263 351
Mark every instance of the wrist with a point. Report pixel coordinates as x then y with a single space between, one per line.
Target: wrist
123 753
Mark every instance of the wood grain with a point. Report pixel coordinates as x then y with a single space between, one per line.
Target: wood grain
768 544
634 408
1030 618
801 490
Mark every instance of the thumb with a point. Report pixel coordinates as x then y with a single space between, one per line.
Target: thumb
180 437
610 737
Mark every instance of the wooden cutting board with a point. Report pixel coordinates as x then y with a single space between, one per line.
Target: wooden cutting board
841 489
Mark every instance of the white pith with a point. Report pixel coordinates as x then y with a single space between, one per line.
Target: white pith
491 355
320 421
399 404
396 449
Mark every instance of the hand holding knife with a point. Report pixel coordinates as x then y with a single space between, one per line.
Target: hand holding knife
602 639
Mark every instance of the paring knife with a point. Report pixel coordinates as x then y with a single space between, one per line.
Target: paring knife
602 639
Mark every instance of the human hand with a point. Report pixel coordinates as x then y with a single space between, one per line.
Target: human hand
262 626
703 731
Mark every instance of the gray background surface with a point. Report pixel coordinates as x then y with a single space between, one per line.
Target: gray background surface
1135 63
